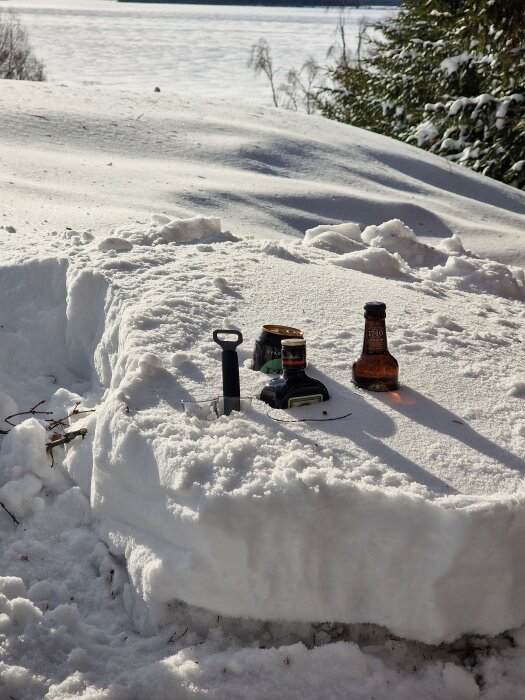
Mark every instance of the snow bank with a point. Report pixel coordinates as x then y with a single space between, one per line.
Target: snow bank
393 250
408 513
164 229
375 262
338 238
120 157
404 514
397 238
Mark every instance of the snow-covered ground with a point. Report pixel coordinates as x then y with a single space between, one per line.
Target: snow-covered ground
257 558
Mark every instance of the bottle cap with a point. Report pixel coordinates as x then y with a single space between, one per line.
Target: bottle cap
375 310
293 342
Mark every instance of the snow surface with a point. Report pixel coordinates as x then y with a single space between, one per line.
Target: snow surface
193 49
257 558
106 158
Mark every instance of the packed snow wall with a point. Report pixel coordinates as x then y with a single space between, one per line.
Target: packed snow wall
407 512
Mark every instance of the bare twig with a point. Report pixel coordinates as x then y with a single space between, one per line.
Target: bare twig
32 412
173 638
67 437
260 61
299 87
53 423
9 513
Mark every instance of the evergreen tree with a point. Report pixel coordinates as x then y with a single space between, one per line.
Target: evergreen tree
446 75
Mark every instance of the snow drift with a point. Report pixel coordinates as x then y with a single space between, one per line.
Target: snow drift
408 513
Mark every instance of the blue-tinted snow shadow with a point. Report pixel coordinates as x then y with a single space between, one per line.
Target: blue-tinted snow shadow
452 178
430 414
304 212
366 427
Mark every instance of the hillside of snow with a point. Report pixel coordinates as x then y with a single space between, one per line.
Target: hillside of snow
102 158
372 551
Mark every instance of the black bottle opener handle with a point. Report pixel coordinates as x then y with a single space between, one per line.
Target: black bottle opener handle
228 344
231 387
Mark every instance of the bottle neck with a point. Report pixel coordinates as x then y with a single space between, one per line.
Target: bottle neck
293 360
374 341
295 373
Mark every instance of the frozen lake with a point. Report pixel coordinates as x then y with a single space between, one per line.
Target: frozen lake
193 49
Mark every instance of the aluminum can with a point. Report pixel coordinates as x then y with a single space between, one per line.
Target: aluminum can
267 351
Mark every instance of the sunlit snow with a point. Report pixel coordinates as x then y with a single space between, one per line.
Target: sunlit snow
376 555
192 49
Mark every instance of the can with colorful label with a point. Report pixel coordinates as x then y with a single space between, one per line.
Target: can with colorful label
267 351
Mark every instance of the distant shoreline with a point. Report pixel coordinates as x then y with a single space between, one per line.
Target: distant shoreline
271 3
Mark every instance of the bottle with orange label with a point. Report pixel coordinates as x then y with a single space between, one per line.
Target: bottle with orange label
293 387
375 369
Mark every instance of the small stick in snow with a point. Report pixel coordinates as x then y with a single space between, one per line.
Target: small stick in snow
53 423
173 638
67 437
32 412
9 513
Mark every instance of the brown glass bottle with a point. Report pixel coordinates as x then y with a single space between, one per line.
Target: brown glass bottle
376 369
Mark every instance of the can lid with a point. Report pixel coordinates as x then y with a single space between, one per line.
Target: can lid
283 330
293 342
375 309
